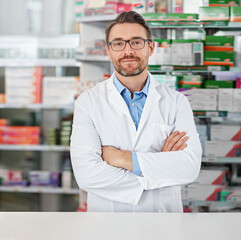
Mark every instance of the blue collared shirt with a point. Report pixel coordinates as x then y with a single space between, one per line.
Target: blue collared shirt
135 107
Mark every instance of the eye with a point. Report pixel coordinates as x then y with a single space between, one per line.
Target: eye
136 42
117 43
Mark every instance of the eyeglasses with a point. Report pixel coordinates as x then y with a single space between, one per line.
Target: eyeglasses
137 43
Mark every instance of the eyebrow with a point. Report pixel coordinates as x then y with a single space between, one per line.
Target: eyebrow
125 39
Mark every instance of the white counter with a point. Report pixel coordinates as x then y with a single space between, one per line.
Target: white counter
119 226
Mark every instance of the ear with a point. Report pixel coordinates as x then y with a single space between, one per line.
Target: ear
151 47
108 51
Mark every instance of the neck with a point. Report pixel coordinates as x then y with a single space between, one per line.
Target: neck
135 83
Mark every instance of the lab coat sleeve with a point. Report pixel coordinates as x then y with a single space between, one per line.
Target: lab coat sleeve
92 173
163 169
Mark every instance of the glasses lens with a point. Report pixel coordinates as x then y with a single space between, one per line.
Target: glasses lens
137 43
118 45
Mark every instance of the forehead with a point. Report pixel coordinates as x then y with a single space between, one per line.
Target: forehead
127 31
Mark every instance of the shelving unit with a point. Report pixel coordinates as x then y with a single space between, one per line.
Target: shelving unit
43 157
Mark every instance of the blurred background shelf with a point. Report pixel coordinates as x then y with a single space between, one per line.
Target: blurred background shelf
47 148
38 190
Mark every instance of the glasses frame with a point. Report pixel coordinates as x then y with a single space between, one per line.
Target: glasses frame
128 41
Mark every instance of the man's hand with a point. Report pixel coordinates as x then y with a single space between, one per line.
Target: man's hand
117 158
175 142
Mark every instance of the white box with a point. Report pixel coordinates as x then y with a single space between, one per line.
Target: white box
225 132
237 100
60 90
212 176
225 99
164 56
187 54
222 148
199 192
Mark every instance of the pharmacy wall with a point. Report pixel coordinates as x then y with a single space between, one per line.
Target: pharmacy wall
51 51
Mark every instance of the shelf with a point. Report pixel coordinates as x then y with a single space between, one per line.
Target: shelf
93 58
39 62
103 18
12 147
181 69
211 204
194 24
221 159
34 189
35 106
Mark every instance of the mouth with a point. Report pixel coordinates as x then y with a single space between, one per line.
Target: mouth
129 60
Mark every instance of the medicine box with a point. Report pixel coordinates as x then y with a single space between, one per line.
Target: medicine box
235 14
219 58
60 90
223 3
170 16
214 13
187 54
225 132
225 99
215 176
223 148
219 43
230 195
218 84
201 192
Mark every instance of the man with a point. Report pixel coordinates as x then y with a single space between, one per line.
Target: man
134 141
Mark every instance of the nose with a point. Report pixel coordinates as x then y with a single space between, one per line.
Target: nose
128 50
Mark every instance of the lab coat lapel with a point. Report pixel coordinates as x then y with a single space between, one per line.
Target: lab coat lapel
115 99
153 97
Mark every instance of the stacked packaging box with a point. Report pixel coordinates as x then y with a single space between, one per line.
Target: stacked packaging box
223 3
23 85
225 141
189 81
187 52
214 13
60 90
65 133
201 99
44 178
168 80
235 14
19 135
12 178
219 50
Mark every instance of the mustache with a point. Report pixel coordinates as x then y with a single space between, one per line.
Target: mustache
129 57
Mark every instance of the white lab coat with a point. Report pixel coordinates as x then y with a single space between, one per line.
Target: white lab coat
102 118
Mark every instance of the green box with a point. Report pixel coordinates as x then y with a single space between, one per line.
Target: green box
213 3
213 84
185 86
214 13
186 40
222 56
219 41
235 14
163 42
170 16
191 78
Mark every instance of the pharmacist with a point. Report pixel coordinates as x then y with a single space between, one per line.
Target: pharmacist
134 141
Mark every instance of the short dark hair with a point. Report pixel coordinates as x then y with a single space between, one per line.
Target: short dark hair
127 17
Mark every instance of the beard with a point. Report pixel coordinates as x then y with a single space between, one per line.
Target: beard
130 72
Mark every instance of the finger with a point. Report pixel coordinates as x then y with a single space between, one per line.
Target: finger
182 147
165 147
179 143
174 140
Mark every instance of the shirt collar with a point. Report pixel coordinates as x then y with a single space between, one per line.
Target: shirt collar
120 87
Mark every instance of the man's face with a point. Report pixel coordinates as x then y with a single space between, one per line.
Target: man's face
129 62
